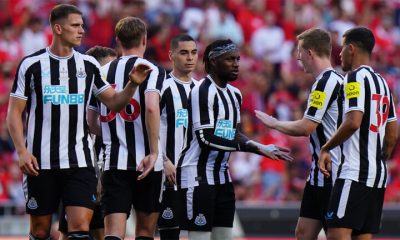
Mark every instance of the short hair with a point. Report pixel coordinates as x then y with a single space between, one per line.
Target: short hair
99 53
211 46
130 31
180 38
318 40
362 37
62 11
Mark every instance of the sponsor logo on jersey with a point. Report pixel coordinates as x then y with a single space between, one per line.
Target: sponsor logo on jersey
181 118
317 99
224 129
58 94
200 220
32 204
167 214
353 90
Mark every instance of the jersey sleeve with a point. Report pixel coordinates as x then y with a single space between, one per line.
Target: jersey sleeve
203 101
392 111
156 78
99 83
21 86
354 92
323 93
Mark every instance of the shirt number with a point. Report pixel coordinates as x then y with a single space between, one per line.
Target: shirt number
381 118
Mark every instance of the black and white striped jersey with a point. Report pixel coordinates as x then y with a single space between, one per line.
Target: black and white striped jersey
216 109
325 107
57 91
124 133
368 92
174 115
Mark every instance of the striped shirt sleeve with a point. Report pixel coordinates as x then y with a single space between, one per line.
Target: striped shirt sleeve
21 86
156 78
99 84
392 111
323 93
354 91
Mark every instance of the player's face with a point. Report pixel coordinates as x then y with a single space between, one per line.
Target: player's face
185 57
71 30
345 56
303 56
227 66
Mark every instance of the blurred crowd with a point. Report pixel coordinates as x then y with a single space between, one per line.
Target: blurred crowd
270 79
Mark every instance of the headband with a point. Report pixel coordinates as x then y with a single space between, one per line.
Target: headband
218 51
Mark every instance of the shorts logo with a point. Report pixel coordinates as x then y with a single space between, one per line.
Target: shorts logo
329 216
317 99
168 214
200 220
94 198
32 204
353 90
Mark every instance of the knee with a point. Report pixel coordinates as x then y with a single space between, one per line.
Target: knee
39 234
78 225
303 234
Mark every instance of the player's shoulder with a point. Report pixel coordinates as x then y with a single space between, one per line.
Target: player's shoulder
233 89
34 57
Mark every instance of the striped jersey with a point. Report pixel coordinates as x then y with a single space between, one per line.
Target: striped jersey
57 91
216 108
324 107
368 92
124 134
174 115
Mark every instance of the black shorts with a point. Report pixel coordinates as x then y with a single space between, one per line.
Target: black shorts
74 187
121 190
169 210
355 206
315 202
97 221
206 206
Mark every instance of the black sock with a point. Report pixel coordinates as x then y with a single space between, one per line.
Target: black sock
108 237
143 238
79 235
31 237
170 234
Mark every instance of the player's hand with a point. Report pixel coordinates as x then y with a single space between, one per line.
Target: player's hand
147 165
169 170
268 120
28 164
139 73
280 152
325 162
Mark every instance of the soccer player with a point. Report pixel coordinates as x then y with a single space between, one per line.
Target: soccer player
54 86
131 138
103 55
174 122
368 134
321 119
204 185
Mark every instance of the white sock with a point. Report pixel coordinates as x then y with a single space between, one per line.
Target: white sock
219 233
197 235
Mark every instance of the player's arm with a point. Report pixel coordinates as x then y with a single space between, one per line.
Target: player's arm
93 122
351 124
207 138
303 127
27 162
116 101
390 139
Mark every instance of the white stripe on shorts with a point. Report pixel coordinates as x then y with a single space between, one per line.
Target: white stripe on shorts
344 198
189 203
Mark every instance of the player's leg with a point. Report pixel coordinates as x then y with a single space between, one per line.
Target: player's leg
224 212
168 224
146 201
117 202
97 224
365 236
339 234
79 198
313 208
43 197
62 224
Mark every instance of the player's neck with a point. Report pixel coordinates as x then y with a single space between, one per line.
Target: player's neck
60 50
218 81
133 51
359 61
320 66
185 77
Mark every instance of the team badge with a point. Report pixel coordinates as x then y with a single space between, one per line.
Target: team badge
353 90
167 214
81 74
317 99
200 220
32 204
